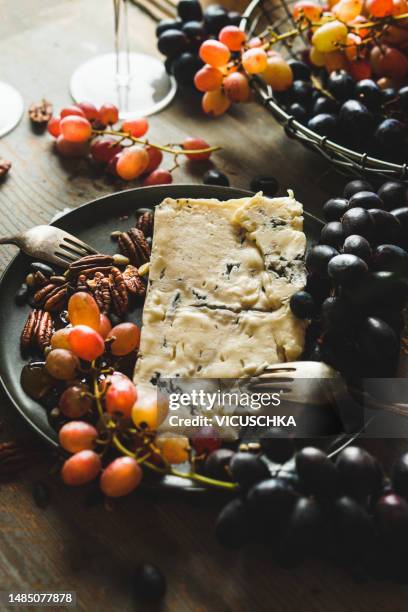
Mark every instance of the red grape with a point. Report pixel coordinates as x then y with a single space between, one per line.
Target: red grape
90 111
109 114
67 148
121 477
72 110
132 162
75 129
379 8
120 395
81 468
105 326
77 436
53 126
233 37
309 9
155 158
86 343
158 177
236 87
83 310
61 364
254 60
208 78
214 53
74 403
127 338
135 127
196 143
111 167
360 69
206 440
104 148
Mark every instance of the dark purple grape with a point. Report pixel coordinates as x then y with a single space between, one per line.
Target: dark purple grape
168 24
302 533
369 94
215 18
388 94
390 136
332 234
401 214
276 445
217 463
335 208
185 67
358 221
324 125
399 475
391 315
302 92
387 228
172 42
378 341
341 85
359 246
318 287
298 112
247 469
215 177
271 501
391 258
365 199
318 258
381 288
324 105
189 10
391 513
356 123
394 194
347 270
231 528
302 305
194 30
317 474
150 582
234 18
403 98
355 186
300 70
359 472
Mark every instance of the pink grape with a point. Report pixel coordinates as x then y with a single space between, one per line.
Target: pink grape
77 436
127 338
86 343
120 395
109 114
104 148
90 111
155 158
54 127
158 177
81 468
75 129
132 162
66 148
135 127
121 477
196 143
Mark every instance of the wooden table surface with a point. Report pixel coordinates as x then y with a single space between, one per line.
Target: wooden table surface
72 545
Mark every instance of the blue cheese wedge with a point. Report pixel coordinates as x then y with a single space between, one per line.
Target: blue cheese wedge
221 275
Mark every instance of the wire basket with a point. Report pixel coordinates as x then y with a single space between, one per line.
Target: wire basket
277 13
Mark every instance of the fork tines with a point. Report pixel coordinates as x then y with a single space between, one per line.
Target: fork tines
71 249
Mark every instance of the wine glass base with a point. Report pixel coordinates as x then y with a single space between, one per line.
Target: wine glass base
149 89
11 108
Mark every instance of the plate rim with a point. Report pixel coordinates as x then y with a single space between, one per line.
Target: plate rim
95 201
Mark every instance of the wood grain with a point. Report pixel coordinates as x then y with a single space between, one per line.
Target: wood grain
87 548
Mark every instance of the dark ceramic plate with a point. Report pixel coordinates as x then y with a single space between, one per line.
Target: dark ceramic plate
93 223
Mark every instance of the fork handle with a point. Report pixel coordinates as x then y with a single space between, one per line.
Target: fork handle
9 240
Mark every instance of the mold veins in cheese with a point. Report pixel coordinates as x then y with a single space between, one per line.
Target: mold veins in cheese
221 275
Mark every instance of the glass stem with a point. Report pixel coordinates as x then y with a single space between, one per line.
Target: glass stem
122 64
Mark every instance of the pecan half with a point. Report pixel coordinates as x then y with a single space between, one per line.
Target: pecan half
40 112
5 166
102 292
52 297
90 264
45 329
133 282
120 299
29 333
145 223
133 244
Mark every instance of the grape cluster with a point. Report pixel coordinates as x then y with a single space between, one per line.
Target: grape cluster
344 510
363 115
179 39
358 281
82 130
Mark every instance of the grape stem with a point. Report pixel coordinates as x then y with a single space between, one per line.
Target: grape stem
146 142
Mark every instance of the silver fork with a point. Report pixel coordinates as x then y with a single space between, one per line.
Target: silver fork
303 382
50 244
